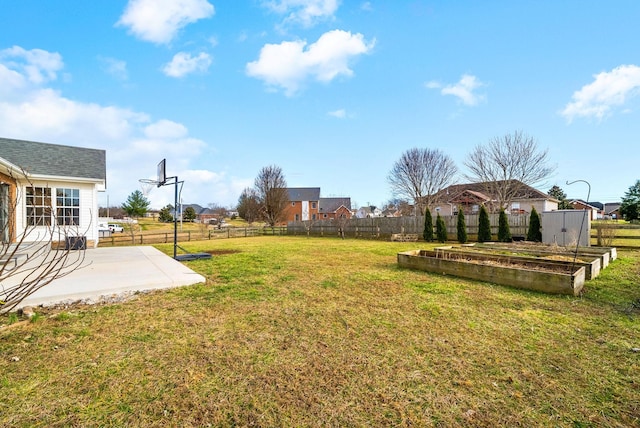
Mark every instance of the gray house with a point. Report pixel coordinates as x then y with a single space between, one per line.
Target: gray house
49 191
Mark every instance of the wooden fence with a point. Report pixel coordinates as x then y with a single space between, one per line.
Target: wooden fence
385 227
615 235
167 237
602 234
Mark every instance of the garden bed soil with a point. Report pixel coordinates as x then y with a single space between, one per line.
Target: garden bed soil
607 254
524 274
525 258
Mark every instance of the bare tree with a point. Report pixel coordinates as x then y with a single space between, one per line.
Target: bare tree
341 223
33 258
505 165
421 173
249 205
271 187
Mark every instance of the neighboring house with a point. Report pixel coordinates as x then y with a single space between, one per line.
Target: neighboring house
471 196
368 212
331 208
612 210
49 189
391 212
203 215
595 208
303 204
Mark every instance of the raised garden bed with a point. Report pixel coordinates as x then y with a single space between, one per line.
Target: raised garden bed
606 254
529 274
591 263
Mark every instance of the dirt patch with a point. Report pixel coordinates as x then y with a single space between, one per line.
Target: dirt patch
509 264
221 252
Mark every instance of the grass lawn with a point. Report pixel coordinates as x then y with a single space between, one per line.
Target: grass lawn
324 332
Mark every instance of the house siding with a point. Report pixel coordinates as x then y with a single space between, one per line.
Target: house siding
88 211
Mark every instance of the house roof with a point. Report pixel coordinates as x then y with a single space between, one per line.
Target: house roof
586 204
54 160
331 205
481 190
369 210
610 207
198 209
304 193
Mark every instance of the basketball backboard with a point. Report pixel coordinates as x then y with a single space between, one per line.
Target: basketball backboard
162 172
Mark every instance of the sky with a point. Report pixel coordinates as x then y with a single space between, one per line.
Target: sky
332 92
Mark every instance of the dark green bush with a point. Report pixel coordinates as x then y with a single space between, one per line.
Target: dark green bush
484 226
534 233
441 229
427 234
462 227
504 234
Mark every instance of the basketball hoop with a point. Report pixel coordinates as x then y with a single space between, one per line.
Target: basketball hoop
147 185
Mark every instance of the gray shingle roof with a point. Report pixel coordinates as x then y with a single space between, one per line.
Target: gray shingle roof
55 160
304 193
330 205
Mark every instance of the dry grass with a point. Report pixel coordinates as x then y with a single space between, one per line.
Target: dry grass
324 332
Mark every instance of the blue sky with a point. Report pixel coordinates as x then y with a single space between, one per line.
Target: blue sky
331 91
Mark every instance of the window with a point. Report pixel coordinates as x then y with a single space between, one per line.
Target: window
314 205
475 208
297 217
38 206
293 204
324 216
68 207
313 217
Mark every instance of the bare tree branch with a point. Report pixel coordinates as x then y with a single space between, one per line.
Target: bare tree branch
506 164
421 173
271 187
36 257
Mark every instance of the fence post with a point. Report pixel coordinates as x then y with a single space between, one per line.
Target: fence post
599 230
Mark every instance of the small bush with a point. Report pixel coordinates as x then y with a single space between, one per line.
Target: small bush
504 234
484 226
441 229
462 227
534 233
427 234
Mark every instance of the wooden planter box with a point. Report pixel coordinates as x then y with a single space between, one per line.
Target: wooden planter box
606 254
591 263
528 275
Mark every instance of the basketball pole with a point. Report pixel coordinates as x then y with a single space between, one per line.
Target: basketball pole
175 219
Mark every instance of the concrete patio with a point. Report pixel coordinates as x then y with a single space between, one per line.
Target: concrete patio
114 271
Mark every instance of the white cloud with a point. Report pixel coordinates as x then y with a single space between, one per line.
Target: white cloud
134 142
183 63
114 67
159 21
288 64
463 90
304 12
35 66
366 6
340 113
608 90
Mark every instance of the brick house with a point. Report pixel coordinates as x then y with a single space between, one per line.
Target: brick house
305 204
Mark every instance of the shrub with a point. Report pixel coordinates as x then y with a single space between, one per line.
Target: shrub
462 227
441 229
484 226
534 233
504 234
427 234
